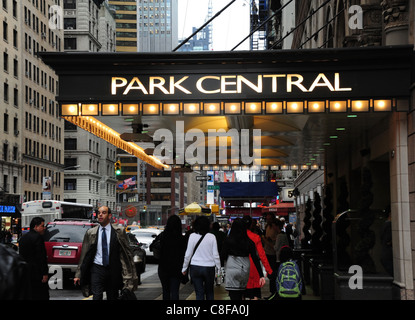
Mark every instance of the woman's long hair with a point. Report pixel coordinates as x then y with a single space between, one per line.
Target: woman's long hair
173 227
238 231
202 225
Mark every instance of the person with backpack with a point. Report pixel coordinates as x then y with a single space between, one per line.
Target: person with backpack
289 281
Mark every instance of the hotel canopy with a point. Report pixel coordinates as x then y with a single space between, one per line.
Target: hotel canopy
307 103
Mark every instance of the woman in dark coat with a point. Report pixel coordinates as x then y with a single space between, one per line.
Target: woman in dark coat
173 247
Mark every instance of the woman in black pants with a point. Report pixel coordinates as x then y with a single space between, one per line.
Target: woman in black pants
173 247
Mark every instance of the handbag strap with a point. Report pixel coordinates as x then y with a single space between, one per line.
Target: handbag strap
197 244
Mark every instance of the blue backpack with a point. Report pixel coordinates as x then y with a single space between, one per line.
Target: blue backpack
289 284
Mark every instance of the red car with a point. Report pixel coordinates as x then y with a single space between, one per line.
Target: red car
63 241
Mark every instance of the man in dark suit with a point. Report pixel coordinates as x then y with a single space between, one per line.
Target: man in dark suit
32 250
106 262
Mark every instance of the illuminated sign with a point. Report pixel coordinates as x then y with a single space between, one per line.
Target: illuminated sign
7 209
224 84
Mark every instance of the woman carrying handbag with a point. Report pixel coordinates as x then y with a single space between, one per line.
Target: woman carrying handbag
204 261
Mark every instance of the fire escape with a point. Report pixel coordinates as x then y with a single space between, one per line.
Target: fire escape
259 13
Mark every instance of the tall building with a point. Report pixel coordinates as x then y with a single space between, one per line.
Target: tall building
11 100
126 19
89 160
157 25
29 98
89 26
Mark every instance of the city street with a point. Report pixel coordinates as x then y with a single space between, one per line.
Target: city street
150 289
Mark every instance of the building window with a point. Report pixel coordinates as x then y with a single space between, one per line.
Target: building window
69 23
70 163
69 184
5 152
5 31
6 92
70 144
69 44
6 123
69 4
5 62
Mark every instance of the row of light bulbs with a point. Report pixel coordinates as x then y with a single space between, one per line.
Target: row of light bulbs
248 167
218 108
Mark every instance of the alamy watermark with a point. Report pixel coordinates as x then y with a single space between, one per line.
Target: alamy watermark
356 280
56 17
210 148
356 20
55 281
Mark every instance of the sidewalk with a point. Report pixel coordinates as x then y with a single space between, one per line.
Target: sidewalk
150 289
222 294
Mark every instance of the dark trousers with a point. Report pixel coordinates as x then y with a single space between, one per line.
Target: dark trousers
171 286
203 279
236 294
101 281
272 260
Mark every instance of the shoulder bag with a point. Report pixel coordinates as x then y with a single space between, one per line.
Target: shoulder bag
185 278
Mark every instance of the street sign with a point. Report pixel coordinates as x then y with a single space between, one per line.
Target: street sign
215 187
203 178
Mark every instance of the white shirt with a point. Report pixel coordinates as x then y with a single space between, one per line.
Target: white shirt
206 255
98 256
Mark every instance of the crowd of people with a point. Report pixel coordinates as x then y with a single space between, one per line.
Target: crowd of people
240 252
242 249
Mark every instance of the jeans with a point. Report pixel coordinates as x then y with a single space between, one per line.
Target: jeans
203 279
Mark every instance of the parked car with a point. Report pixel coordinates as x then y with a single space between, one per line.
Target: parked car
145 237
63 242
139 255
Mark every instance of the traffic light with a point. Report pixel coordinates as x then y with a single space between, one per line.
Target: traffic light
117 167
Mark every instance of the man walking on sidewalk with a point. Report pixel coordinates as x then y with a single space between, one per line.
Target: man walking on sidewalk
106 262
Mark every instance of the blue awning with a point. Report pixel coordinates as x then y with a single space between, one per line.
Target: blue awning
248 190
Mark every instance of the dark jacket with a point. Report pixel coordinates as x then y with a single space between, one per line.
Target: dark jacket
121 260
172 253
32 250
14 275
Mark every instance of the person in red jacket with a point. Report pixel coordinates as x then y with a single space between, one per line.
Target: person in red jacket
253 288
